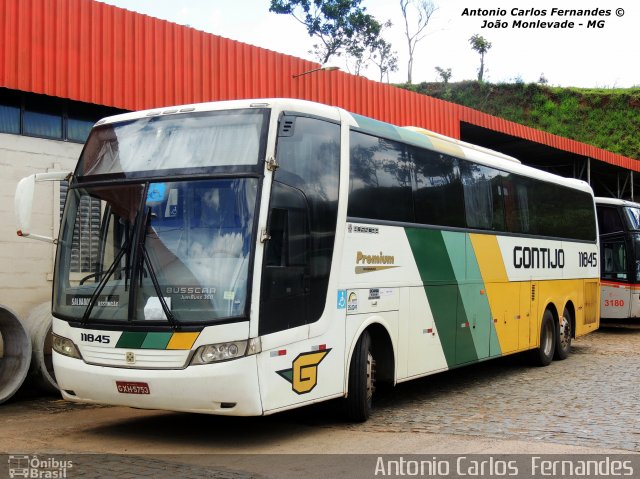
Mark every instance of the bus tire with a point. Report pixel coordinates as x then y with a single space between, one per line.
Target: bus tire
359 400
543 355
563 338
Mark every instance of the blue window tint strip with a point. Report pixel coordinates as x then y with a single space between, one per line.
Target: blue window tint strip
78 130
42 124
9 119
43 116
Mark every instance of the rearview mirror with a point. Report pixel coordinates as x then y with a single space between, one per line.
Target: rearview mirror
23 202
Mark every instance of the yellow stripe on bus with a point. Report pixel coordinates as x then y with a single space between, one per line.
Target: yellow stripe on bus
489 258
182 340
503 296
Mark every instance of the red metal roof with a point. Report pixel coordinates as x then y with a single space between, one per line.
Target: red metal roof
96 53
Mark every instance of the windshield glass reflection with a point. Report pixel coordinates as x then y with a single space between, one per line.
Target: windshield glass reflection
185 244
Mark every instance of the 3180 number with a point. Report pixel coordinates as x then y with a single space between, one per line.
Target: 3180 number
616 303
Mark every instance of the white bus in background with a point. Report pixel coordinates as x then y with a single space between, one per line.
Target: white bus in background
619 227
259 255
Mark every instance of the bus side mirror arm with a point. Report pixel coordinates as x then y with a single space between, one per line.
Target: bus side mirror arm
23 202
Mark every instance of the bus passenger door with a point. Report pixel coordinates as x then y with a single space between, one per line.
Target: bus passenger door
615 299
285 278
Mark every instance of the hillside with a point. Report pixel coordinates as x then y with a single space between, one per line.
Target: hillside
606 118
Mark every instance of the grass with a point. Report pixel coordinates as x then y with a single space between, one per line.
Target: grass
606 118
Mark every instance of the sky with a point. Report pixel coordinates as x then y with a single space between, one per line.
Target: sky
607 57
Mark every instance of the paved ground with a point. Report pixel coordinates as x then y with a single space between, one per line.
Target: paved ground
590 399
586 404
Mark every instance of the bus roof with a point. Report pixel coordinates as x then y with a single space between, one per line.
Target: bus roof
616 202
282 104
437 137
412 135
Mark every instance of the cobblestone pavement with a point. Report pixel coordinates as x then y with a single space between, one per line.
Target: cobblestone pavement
590 399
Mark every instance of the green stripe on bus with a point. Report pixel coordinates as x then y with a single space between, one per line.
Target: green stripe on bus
377 127
474 302
386 130
466 349
457 295
477 303
431 256
436 272
466 326
156 340
131 340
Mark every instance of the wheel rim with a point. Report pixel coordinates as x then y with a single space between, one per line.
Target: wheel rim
565 333
547 339
371 376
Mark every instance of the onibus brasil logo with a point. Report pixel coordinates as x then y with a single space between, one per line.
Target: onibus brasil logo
35 467
303 374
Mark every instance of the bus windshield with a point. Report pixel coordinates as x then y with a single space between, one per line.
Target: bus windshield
173 251
632 217
229 138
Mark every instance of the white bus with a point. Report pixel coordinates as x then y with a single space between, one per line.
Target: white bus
619 227
248 257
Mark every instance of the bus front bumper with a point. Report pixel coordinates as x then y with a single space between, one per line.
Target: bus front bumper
228 388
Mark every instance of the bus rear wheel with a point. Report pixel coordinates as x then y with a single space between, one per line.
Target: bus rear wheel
543 355
362 377
563 341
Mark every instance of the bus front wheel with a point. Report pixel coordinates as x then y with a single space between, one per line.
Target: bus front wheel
563 341
362 376
543 355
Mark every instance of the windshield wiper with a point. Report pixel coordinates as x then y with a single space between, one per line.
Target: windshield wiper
103 283
154 278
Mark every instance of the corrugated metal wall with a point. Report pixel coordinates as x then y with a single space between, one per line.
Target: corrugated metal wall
97 53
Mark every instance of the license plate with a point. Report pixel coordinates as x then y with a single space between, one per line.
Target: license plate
126 387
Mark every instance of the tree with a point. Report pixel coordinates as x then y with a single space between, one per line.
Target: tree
384 58
445 75
363 44
335 23
368 46
423 11
482 46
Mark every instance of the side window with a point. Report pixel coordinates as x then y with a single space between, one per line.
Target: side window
546 205
560 211
482 196
614 260
438 192
381 179
609 220
538 207
579 206
302 223
516 204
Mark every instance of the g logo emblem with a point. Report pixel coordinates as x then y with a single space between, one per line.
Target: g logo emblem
303 374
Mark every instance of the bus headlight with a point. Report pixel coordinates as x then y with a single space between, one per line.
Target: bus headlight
65 347
213 353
